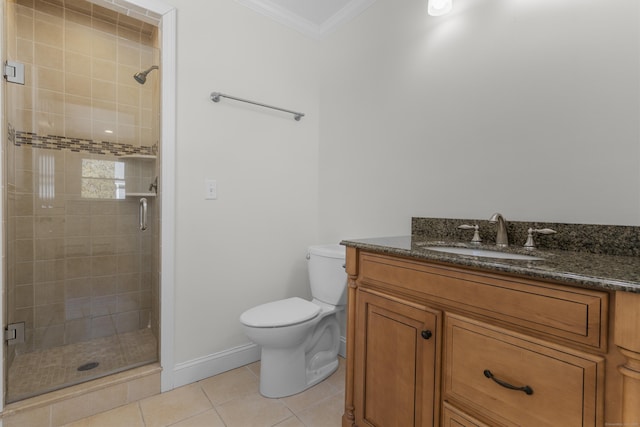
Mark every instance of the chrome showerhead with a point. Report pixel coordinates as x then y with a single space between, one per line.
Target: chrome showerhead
141 77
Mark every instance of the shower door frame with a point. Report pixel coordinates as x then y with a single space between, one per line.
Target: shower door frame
167 26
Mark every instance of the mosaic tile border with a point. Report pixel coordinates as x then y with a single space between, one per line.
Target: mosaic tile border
79 145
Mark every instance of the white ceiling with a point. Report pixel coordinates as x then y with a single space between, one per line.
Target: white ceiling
314 18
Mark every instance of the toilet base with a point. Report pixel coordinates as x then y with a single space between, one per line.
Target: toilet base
283 373
288 371
321 374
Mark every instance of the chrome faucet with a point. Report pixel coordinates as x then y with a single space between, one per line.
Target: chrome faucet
501 237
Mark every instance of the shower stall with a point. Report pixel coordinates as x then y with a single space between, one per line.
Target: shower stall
81 196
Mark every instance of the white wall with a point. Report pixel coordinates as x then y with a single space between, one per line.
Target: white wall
527 107
249 246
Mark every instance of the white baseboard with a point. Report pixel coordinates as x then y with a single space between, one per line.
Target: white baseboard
213 364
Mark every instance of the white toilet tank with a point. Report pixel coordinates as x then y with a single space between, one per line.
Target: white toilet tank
327 275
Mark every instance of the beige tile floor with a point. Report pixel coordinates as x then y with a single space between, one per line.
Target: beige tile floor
231 399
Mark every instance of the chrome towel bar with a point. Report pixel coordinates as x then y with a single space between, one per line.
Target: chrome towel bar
215 97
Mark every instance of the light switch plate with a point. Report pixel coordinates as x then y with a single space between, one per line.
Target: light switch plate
210 189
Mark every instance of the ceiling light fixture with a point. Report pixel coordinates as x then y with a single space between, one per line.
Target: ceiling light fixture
439 7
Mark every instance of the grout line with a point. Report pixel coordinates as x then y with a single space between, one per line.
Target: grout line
141 413
251 370
220 416
205 393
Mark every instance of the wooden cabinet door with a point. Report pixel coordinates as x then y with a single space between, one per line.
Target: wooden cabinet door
396 361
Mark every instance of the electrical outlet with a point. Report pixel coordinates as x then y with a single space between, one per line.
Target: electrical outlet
210 189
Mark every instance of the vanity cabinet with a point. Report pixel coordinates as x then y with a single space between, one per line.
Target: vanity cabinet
397 345
502 350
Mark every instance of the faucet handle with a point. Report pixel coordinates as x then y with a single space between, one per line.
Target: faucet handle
476 236
530 244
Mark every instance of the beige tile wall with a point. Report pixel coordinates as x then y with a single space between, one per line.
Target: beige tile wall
77 268
83 270
79 73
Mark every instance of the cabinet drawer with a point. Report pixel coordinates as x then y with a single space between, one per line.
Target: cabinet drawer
565 386
453 417
564 313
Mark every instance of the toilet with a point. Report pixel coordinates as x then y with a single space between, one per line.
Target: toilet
299 338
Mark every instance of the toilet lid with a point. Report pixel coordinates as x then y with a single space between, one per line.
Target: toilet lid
280 313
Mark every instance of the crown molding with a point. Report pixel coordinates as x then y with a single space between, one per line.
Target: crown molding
344 15
303 25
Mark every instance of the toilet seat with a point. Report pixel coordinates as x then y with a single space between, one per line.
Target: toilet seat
280 313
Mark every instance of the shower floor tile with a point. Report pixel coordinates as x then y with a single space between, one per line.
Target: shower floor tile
42 371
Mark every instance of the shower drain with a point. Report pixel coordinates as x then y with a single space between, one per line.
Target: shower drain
88 366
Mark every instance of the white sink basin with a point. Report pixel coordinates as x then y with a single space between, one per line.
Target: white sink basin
485 253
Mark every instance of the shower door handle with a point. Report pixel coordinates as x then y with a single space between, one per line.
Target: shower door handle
143 214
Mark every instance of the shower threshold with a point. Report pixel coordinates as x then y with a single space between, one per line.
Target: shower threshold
43 371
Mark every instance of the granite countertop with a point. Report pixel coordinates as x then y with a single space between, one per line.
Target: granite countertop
579 268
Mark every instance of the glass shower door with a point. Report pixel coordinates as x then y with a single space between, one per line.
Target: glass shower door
81 152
